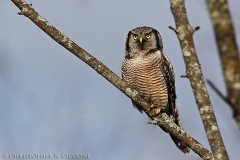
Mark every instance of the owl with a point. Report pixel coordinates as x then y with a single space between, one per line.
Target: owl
148 70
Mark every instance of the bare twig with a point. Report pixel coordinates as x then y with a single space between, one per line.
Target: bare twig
174 29
219 92
228 52
184 76
194 73
196 28
100 68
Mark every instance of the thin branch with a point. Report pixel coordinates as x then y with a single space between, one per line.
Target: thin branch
196 28
194 73
219 93
228 51
100 68
174 29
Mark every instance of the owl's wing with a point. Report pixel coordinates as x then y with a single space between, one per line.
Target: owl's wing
169 78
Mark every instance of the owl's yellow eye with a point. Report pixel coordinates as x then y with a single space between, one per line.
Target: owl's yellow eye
135 37
147 36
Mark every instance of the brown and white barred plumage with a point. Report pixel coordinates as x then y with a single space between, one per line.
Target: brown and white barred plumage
150 72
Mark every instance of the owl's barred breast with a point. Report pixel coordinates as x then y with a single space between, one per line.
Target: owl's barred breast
145 75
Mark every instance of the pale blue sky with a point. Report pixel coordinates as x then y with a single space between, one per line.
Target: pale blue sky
51 102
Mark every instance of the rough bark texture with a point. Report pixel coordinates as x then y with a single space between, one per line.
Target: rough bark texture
100 68
228 52
193 72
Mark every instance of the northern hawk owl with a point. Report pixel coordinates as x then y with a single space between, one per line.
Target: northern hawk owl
148 70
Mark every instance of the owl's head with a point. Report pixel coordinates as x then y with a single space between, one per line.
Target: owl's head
142 40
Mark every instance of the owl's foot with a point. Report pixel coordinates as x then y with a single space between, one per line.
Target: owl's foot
155 110
158 110
163 110
152 106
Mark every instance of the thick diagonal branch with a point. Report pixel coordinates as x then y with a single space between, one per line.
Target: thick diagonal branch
185 32
228 52
100 68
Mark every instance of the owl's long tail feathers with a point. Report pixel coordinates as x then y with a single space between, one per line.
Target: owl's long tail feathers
182 146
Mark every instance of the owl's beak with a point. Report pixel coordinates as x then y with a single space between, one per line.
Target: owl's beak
141 39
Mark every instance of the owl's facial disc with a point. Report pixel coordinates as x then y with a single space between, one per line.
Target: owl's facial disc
141 37
141 41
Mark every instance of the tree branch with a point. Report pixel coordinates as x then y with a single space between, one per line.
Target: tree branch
219 93
228 52
162 120
185 32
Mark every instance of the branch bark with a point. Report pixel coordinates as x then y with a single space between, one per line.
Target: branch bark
228 52
162 120
185 33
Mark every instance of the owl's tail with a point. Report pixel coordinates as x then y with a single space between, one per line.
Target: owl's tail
183 147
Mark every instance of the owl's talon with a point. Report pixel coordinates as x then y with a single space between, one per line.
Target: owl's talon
155 110
152 106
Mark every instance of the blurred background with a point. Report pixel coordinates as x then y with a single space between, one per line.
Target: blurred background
51 102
